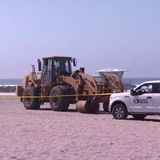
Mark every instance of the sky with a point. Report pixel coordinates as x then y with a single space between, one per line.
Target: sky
122 34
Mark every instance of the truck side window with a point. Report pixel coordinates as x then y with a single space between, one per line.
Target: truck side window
147 88
156 88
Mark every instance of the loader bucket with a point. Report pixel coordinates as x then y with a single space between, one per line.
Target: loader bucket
87 106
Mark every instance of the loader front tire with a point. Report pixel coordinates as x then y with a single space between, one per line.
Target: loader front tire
31 103
56 99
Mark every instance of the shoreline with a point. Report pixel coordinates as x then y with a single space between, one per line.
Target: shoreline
7 93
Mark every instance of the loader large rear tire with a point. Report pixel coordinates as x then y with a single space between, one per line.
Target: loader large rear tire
59 103
31 103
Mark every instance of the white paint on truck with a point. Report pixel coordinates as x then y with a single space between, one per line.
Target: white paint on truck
141 101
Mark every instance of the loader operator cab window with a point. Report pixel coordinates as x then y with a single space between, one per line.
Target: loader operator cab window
46 71
62 67
54 67
49 71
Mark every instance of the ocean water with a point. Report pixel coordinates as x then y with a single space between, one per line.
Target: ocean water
138 80
9 81
7 86
126 80
128 83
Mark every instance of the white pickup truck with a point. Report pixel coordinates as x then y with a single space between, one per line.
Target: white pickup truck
139 102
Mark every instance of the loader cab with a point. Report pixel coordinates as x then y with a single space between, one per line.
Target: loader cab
54 67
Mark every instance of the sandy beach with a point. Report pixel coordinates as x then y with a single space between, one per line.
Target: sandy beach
49 135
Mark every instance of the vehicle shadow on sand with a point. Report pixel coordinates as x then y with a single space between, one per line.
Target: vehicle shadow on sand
144 120
49 109
72 110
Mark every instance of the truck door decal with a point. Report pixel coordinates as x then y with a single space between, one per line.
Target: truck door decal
136 101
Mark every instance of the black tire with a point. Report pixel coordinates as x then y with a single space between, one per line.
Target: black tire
139 116
105 106
31 103
92 107
59 103
119 111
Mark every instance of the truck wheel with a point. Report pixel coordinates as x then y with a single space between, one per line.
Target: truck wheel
119 111
59 103
31 103
139 116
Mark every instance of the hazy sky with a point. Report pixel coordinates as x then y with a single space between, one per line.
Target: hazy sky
123 34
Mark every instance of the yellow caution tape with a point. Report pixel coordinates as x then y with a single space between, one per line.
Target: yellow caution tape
55 96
